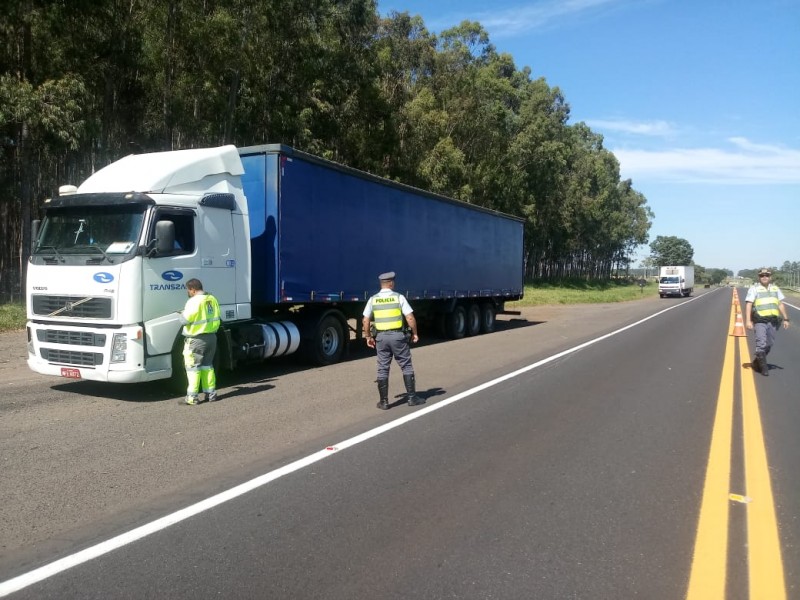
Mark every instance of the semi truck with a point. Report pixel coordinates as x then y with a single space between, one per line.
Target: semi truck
291 245
675 281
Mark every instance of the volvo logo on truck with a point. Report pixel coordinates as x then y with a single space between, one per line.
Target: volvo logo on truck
172 276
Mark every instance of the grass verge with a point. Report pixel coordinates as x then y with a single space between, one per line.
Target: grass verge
12 316
583 292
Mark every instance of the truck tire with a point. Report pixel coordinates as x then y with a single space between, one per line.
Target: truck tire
456 323
473 319
488 317
327 344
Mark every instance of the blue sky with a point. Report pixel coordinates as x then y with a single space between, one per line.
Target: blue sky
698 99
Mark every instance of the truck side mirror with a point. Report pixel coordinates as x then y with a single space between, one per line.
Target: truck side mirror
165 237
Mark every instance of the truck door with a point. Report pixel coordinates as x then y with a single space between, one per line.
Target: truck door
217 254
165 274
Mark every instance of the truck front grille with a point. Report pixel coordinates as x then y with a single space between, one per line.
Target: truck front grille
72 338
71 306
69 357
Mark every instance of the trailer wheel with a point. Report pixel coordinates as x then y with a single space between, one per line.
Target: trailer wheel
488 317
473 319
327 346
456 323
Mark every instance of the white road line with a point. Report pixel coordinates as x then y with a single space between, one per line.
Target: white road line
26 579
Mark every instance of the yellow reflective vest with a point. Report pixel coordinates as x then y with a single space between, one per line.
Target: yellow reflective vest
386 312
201 314
766 303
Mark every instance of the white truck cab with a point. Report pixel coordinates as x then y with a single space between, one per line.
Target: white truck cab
111 258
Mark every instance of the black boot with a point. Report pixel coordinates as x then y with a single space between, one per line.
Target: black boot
762 363
383 392
411 392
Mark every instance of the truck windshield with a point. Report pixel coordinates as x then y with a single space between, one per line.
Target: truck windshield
669 280
111 232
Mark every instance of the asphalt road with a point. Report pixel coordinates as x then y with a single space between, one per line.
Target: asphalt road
577 470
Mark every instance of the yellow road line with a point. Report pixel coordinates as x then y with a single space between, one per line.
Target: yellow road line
707 581
765 565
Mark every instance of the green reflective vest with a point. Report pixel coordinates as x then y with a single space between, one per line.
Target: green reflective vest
386 311
766 303
202 312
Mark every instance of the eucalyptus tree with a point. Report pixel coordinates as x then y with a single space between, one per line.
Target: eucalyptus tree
405 53
539 154
42 117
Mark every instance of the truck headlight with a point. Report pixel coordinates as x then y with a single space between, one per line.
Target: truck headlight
30 342
119 348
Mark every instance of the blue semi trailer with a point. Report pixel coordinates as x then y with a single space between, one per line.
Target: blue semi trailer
291 245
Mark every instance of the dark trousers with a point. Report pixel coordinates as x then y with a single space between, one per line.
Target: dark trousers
393 344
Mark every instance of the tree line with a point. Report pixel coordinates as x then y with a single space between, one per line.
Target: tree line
671 250
85 82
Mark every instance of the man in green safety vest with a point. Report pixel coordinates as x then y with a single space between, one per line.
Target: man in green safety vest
388 309
764 313
201 320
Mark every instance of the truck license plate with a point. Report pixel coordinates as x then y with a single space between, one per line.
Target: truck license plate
71 373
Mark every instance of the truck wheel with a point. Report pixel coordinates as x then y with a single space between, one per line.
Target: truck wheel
327 345
488 318
456 323
473 319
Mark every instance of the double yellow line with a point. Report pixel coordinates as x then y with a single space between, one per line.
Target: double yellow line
765 565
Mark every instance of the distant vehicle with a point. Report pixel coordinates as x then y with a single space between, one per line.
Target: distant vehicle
675 281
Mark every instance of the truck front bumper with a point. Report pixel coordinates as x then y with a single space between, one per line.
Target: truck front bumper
112 355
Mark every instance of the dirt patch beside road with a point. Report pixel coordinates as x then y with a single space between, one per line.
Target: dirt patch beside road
14 356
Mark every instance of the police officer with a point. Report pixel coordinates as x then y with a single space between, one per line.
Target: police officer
763 312
201 320
388 308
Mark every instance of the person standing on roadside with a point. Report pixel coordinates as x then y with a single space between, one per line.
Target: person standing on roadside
388 308
201 320
764 313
